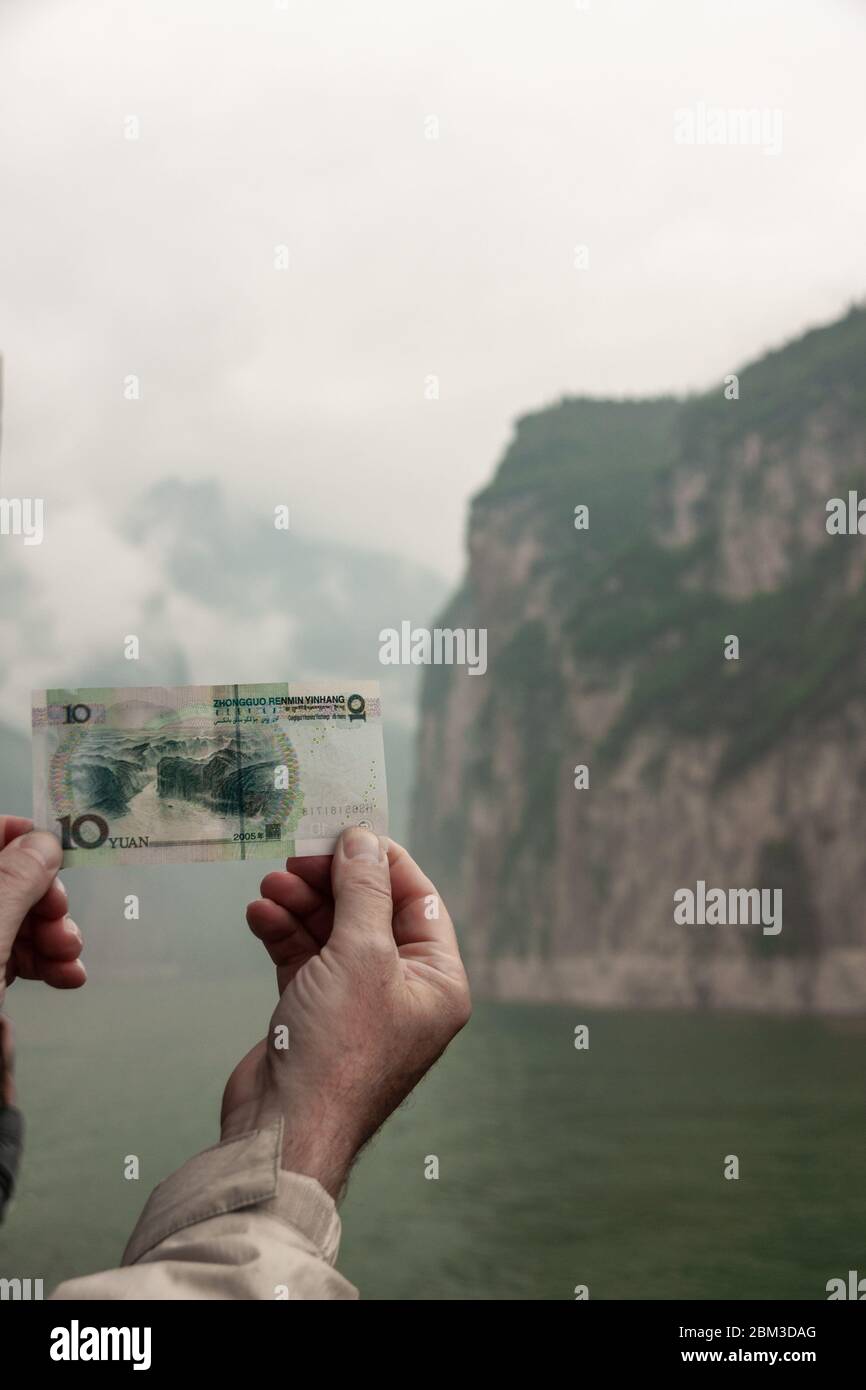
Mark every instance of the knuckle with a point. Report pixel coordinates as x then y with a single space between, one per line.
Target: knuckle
367 877
461 1007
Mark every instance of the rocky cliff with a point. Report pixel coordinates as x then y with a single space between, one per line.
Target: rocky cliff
606 648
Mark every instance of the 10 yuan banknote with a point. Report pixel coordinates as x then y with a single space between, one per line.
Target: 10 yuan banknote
177 774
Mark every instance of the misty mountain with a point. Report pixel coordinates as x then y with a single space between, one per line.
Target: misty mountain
606 649
336 598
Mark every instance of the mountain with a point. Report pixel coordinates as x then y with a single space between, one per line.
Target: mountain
606 648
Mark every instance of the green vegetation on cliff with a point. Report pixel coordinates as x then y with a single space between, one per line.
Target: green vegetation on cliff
629 606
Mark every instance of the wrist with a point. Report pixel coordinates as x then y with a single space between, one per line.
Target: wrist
317 1151
326 1160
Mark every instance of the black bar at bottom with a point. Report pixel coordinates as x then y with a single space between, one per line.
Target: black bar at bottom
259 1340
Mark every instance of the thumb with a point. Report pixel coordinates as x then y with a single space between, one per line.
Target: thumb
361 882
27 869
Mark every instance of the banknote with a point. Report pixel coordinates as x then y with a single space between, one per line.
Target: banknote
177 774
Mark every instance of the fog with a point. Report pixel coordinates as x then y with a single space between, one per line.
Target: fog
307 126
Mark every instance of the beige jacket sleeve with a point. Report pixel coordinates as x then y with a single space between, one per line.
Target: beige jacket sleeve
229 1224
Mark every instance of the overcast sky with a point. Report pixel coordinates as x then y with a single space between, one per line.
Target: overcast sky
408 257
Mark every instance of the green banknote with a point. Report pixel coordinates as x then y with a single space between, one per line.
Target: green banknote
177 774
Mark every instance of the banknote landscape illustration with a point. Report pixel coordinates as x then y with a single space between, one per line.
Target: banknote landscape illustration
111 769
169 774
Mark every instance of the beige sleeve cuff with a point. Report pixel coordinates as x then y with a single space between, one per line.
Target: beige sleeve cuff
229 1224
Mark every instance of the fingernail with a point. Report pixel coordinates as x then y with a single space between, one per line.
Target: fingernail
70 927
58 883
43 847
361 844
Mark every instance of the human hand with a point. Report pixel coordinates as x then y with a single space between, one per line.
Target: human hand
372 990
37 939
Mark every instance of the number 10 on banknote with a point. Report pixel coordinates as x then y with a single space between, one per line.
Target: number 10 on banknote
179 774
